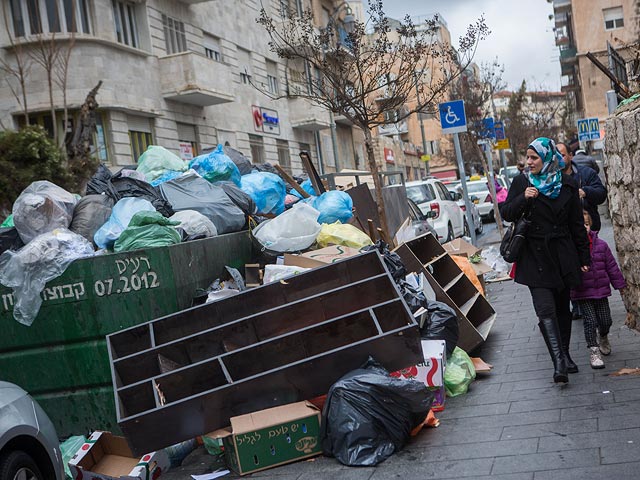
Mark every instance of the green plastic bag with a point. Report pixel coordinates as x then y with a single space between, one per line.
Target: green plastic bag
8 222
156 160
147 229
69 448
459 373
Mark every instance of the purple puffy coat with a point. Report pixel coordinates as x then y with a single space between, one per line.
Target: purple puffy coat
604 271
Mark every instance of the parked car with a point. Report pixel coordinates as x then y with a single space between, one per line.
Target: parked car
420 221
480 189
475 214
431 196
511 172
29 448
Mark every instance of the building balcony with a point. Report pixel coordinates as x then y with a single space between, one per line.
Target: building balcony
195 79
305 115
561 19
568 54
392 129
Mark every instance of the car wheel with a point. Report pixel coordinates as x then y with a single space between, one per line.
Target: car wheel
480 228
18 465
449 233
466 232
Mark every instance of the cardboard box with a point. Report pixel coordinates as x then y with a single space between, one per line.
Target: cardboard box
431 371
458 246
108 457
272 437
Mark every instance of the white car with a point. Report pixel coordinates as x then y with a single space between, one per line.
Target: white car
447 218
475 213
480 189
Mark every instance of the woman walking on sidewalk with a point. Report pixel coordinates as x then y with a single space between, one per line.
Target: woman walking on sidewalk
556 248
592 295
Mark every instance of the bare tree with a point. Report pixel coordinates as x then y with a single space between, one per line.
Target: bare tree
18 70
364 77
61 76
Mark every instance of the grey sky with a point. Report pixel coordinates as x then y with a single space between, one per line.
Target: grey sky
521 34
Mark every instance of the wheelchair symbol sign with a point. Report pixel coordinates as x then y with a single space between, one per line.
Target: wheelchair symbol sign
452 117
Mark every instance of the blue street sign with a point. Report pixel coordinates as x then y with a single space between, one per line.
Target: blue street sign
488 128
452 117
588 129
499 131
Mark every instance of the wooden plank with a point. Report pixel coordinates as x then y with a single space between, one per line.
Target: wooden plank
291 181
316 181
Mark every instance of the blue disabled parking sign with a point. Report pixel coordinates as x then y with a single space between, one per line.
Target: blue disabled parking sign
452 117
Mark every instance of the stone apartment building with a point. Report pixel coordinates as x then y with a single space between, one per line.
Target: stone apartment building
583 26
180 74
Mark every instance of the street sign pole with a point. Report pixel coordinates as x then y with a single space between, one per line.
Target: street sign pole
463 182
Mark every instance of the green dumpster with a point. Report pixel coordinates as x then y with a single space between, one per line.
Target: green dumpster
62 358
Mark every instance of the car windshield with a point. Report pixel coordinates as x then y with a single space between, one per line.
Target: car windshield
419 194
475 187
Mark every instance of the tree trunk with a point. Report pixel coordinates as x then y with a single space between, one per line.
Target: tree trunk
373 168
621 168
52 108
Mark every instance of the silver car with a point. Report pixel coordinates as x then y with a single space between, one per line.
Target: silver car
29 448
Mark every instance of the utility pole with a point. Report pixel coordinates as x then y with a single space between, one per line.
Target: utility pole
421 120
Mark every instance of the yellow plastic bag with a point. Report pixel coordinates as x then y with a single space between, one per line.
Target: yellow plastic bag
342 234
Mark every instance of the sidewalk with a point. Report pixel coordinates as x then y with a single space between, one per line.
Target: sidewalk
514 423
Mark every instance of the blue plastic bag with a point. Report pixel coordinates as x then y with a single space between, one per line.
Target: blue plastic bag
267 191
120 217
334 206
216 166
165 177
307 186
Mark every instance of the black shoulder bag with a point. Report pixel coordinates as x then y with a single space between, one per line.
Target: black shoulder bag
513 241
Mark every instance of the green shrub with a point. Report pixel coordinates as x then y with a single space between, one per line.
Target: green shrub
28 155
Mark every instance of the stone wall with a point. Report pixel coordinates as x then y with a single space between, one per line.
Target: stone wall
622 170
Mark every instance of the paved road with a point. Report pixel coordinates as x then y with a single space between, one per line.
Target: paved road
514 423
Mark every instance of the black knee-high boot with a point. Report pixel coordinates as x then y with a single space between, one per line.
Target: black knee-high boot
551 335
565 334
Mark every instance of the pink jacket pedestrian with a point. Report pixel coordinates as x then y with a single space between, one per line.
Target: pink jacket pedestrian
604 272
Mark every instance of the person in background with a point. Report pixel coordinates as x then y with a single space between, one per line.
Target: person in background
521 165
581 158
592 191
592 295
556 246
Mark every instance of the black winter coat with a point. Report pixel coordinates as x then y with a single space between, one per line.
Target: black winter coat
557 244
596 193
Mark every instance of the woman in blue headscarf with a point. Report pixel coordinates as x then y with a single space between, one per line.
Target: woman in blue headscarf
556 247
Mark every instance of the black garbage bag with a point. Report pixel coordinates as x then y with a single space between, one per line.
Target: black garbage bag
391 259
99 181
10 239
415 299
242 162
237 196
122 187
441 323
192 192
369 415
89 214
265 167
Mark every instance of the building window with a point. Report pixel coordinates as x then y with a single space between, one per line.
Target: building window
284 159
272 77
244 64
174 36
33 17
139 142
613 18
256 144
99 140
124 14
212 48
187 136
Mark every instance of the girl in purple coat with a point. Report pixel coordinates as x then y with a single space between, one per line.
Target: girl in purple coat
592 295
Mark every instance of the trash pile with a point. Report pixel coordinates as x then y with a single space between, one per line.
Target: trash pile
330 342
163 202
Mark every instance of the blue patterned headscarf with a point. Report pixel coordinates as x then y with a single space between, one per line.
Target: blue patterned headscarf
549 180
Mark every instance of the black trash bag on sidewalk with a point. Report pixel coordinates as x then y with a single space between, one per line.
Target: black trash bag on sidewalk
369 415
415 299
391 259
441 324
